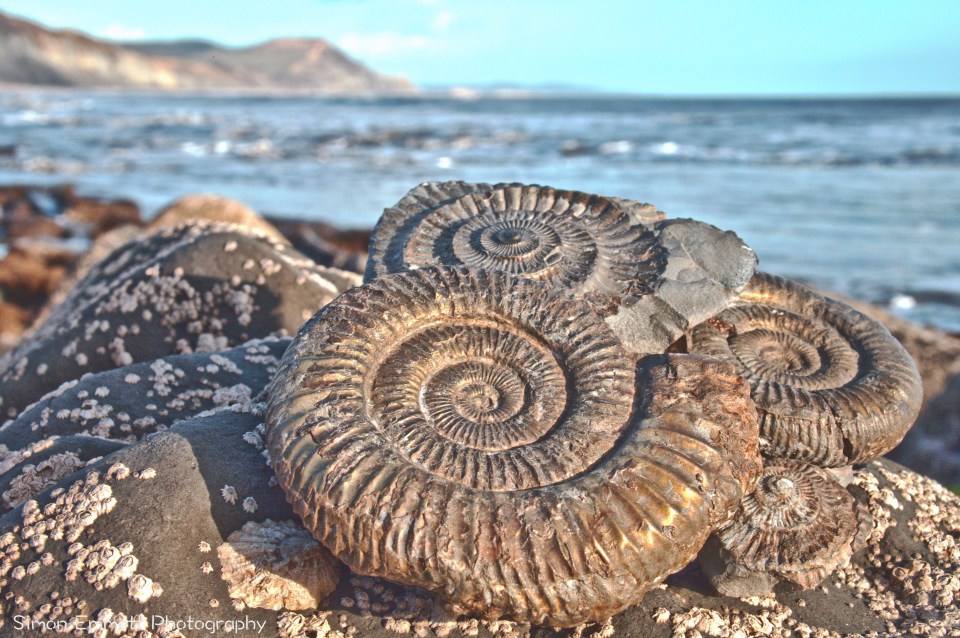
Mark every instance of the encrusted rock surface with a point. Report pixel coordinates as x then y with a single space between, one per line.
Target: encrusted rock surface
197 288
907 579
165 510
277 565
31 469
130 402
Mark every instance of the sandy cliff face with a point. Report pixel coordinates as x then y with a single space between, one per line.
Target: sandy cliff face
30 54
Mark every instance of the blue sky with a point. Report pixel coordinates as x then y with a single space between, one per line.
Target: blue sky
676 47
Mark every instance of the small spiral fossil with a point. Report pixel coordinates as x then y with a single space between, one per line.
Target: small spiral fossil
587 244
474 434
833 387
797 525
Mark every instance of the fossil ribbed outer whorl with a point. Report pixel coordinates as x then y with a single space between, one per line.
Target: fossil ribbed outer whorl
481 437
798 525
833 387
586 244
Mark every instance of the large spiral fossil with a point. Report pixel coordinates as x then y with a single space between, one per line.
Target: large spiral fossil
797 525
586 244
481 437
833 387
650 279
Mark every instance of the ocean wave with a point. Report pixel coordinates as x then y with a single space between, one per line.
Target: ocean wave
671 151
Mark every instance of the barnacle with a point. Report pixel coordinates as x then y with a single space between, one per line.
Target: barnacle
477 435
33 479
833 387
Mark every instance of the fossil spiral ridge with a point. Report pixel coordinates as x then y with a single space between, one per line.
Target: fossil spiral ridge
476 435
833 387
797 525
586 244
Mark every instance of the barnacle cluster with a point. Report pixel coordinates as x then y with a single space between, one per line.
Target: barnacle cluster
543 402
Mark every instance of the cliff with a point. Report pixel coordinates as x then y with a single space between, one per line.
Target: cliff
32 54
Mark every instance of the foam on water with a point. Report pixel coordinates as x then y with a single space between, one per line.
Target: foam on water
861 196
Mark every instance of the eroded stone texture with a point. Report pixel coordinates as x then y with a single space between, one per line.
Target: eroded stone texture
651 279
200 288
127 403
832 386
476 435
277 565
798 525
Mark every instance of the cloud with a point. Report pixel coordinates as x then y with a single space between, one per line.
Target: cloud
121 32
378 45
443 20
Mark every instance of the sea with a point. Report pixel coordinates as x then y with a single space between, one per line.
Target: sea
861 196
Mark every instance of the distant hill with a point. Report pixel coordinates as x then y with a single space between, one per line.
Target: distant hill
32 54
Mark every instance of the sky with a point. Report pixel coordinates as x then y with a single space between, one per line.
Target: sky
670 47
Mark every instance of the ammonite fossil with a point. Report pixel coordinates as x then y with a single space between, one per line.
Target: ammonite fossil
797 526
652 280
479 436
833 387
580 242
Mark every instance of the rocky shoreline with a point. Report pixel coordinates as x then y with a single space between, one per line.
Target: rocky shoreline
153 428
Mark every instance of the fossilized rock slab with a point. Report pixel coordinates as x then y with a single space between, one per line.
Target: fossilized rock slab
651 279
833 386
196 288
479 436
705 269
